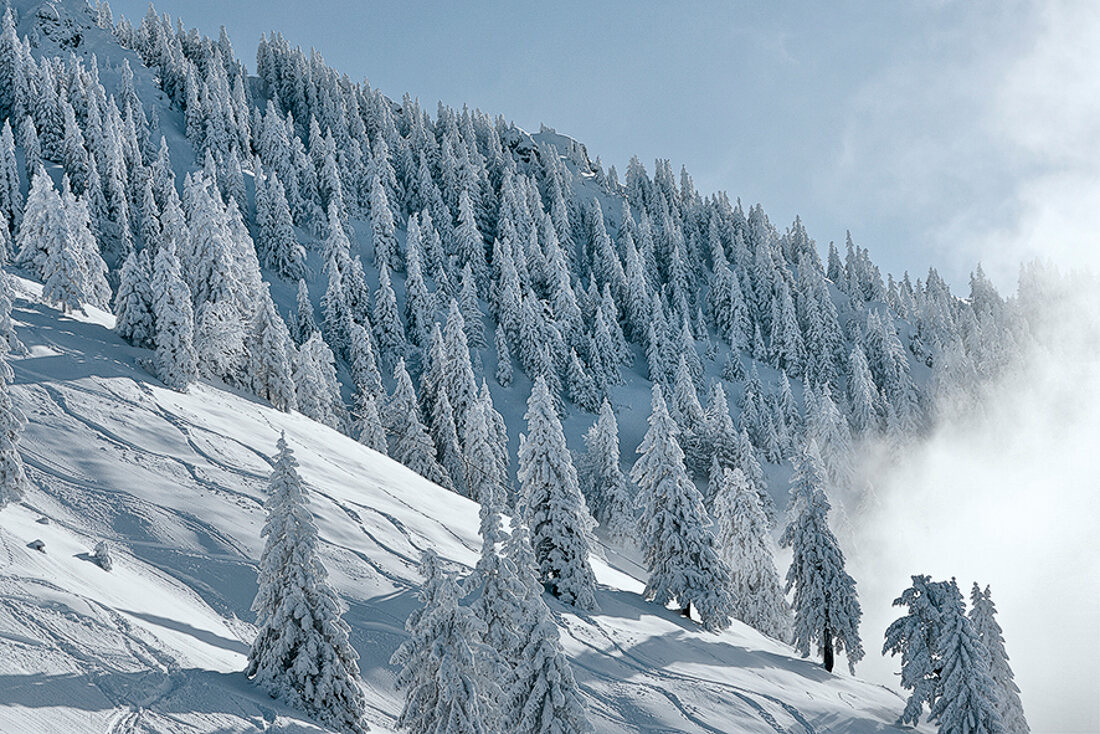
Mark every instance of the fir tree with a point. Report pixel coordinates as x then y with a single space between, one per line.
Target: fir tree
301 653
271 356
318 390
826 609
176 362
409 442
449 687
553 506
13 478
967 699
745 543
134 301
1007 693
304 325
675 531
543 695
504 357
602 480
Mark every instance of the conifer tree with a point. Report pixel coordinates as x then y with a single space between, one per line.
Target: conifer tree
176 362
745 544
386 319
862 395
134 301
443 665
543 695
315 380
826 609
504 357
364 367
11 200
304 325
469 244
382 228
1007 693
13 478
458 377
967 700
44 225
74 272
271 356
301 653
447 446
368 427
409 442
553 506
602 480
675 532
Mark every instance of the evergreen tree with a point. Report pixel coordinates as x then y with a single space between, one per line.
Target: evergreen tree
602 480
543 695
553 506
967 699
364 367
504 357
271 356
915 637
75 273
409 441
176 362
301 653
826 609
745 543
675 531
368 427
304 325
318 390
44 228
134 301
388 329
13 478
458 377
386 250
443 665
1007 693
862 395
11 200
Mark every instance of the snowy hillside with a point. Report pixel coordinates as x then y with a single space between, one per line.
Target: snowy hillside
174 483
208 256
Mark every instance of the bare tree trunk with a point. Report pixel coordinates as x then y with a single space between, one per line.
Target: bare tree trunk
827 636
686 611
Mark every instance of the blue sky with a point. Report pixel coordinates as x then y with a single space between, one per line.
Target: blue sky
935 131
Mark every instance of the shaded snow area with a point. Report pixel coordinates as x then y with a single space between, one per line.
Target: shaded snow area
174 483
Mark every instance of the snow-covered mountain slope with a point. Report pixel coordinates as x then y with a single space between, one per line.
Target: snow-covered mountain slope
174 483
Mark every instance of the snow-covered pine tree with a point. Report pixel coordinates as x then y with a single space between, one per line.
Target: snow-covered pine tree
364 367
862 394
915 636
504 357
11 200
318 389
826 609
675 532
447 446
552 504
304 324
444 666
602 480
746 545
13 478
367 426
967 699
271 356
543 695
301 652
409 441
134 301
386 318
983 616
44 227
177 364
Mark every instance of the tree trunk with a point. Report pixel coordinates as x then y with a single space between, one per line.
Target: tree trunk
827 637
686 611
